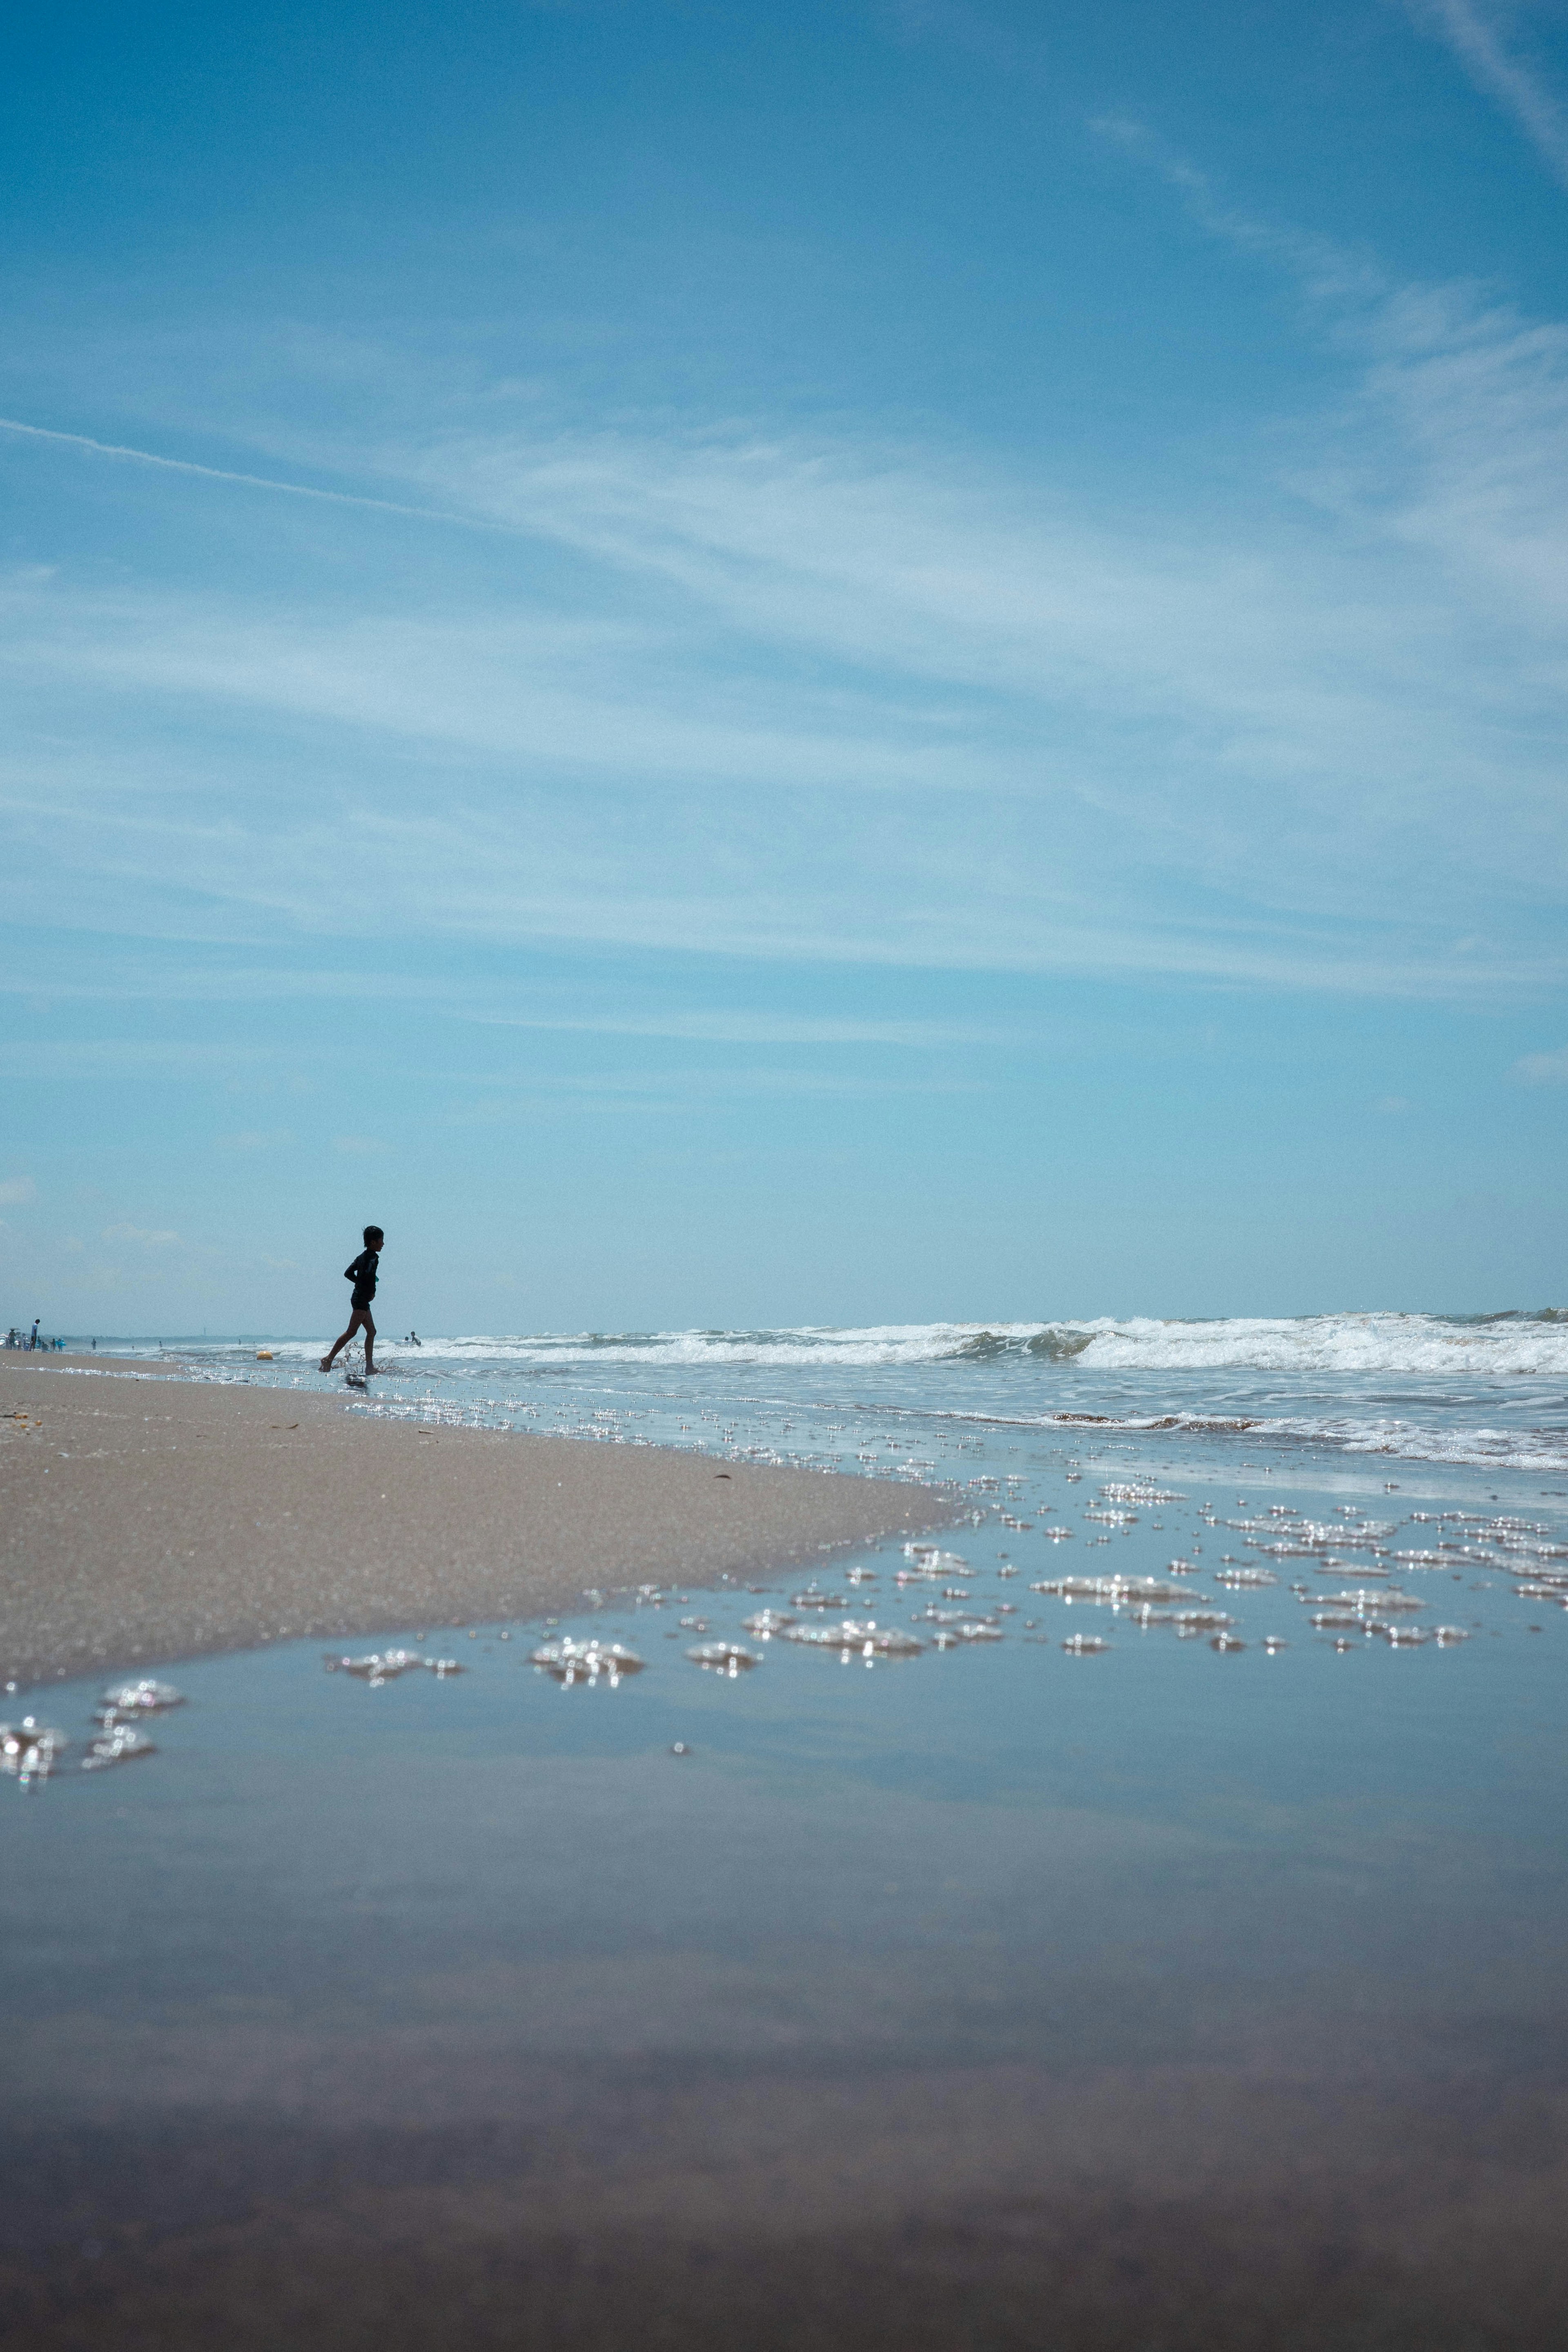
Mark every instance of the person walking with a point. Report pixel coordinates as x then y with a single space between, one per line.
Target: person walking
362 1275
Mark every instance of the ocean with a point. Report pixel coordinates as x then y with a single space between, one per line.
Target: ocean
1476 1393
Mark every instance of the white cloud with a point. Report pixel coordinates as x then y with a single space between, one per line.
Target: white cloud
739 1028
85 1059
142 1234
18 1191
1543 1069
1474 36
760 692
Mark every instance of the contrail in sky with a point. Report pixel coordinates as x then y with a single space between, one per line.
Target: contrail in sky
250 481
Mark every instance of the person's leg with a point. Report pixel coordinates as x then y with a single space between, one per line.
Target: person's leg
369 1322
355 1319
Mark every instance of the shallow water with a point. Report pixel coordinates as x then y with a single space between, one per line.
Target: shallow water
1007 1810
1219 1801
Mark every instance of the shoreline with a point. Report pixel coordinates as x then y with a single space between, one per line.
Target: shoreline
140 1525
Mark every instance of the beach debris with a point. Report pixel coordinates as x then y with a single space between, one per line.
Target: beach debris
116 1743
1085 1645
571 1660
854 1637
679 1748
724 1657
28 1750
766 1623
140 1696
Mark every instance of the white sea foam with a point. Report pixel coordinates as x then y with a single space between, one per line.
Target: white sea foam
1479 1392
1533 1342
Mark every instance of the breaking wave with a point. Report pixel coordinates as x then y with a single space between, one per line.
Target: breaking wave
1524 1342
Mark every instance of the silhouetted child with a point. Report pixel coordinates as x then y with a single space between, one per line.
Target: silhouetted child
362 1275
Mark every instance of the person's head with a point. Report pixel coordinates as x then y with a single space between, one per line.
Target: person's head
374 1237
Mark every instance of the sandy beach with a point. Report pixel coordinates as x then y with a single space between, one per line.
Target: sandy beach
153 1517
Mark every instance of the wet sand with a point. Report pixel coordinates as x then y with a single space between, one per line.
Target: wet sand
145 1518
1195 2209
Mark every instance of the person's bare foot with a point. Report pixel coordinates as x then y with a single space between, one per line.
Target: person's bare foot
325 1365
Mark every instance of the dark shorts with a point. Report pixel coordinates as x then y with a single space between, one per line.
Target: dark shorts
360 1306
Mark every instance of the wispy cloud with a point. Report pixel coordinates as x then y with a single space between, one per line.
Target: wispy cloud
739 1028
1325 268
771 692
1473 34
145 1236
17 1191
89 1058
1543 1069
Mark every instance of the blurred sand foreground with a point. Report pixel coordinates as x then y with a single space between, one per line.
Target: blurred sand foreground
146 1518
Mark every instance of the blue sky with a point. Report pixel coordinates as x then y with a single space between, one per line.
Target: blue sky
742 665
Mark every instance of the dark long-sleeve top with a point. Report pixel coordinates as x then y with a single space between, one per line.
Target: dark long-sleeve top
362 1275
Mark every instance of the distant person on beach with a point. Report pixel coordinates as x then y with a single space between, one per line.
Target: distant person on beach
362 1275
33 1342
